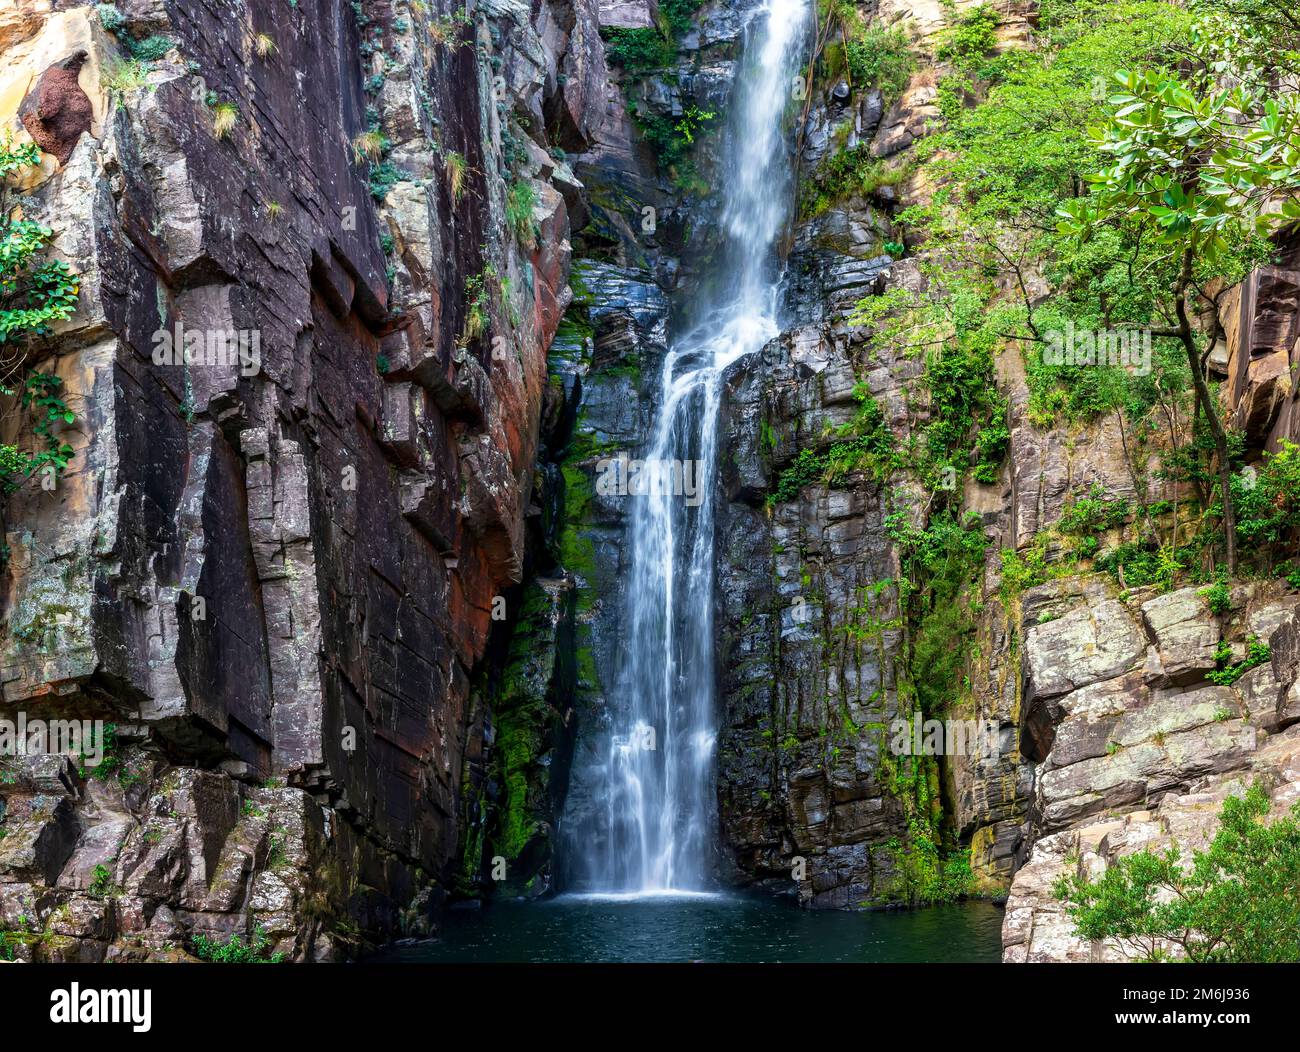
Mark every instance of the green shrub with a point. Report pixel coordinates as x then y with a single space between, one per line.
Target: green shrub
1092 514
383 176
1218 597
638 51
41 398
1226 674
150 49
1268 505
110 761
941 562
1234 903
880 57
923 875
1021 570
236 951
849 172
1142 563
965 403
110 18
679 15
672 139
34 293
863 444
101 883
966 42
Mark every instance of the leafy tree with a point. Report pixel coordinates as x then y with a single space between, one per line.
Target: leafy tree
1235 902
999 170
1002 167
1268 504
1204 166
1016 144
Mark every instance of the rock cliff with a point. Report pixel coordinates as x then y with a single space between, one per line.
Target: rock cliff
1113 724
274 572
367 292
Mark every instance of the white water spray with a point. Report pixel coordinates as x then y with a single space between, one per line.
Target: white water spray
659 796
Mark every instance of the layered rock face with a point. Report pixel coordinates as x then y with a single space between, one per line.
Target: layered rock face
1134 743
338 574
1107 735
1140 754
812 635
811 642
324 250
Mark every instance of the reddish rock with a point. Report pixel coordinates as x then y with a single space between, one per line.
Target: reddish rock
56 111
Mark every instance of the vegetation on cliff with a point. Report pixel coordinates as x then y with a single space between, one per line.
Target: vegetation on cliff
651 52
1136 226
870 57
35 292
1203 170
1113 181
1089 187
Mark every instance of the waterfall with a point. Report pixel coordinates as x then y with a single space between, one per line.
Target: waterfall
659 796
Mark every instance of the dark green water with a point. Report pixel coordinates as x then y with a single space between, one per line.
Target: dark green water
735 929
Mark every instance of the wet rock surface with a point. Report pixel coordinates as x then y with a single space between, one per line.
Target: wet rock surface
275 575
1099 699
354 607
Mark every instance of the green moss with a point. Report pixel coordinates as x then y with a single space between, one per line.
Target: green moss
582 294
585 660
517 745
471 859
574 327
577 553
527 726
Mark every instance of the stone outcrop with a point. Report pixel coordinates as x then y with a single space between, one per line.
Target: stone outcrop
1259 318
275 571
810 622
812 649
347 593
1144 760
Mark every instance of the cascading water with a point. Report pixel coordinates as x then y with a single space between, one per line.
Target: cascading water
659 794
